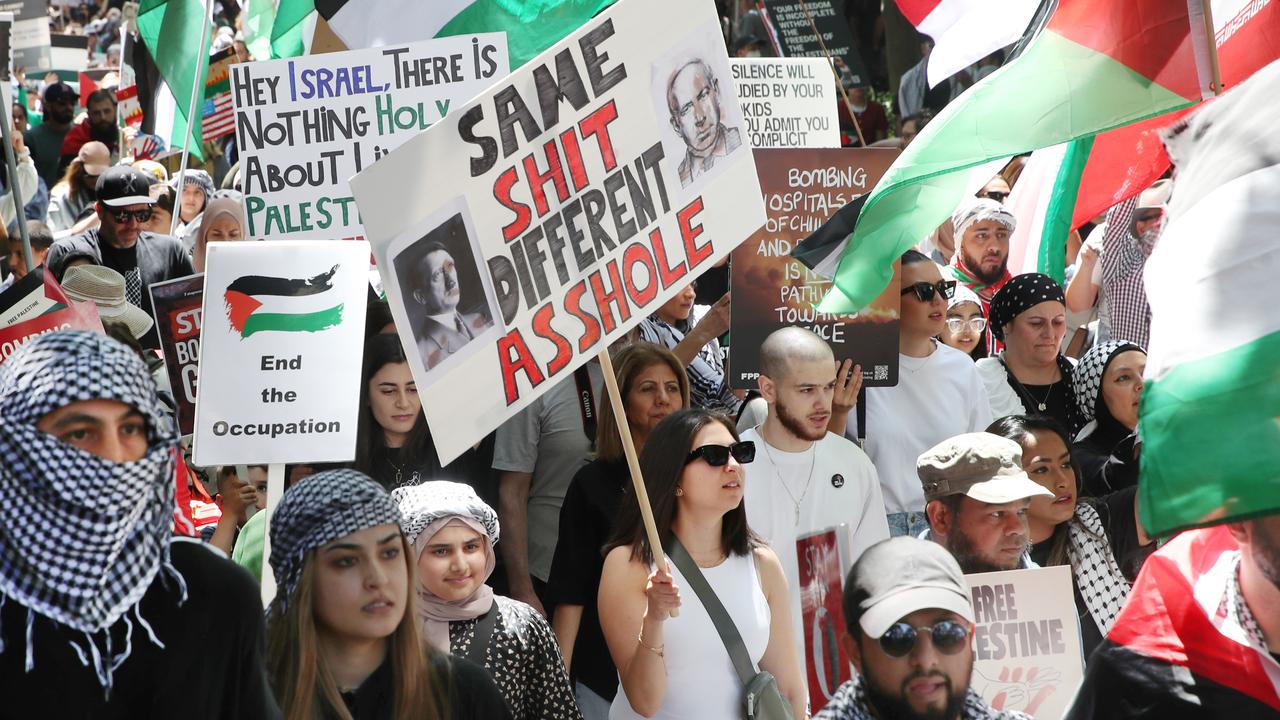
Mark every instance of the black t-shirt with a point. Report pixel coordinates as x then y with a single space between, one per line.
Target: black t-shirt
472 693
586 523
1058 402
211 665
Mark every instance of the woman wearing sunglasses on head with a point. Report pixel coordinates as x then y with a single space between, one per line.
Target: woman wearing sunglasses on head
939 395
966 328
678 667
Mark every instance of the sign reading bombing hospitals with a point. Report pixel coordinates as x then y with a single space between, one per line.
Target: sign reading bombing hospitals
306 125
1026 640
282 328
562 206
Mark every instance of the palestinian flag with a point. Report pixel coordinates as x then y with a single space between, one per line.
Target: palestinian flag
1208 419
965 31
1098 64
258 303
1177 651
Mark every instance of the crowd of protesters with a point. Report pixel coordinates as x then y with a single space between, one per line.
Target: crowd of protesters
1009 442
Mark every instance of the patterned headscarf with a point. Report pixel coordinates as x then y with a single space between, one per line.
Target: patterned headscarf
427 509
964 295
84 537
1086 383
1020 294
318 510
976 210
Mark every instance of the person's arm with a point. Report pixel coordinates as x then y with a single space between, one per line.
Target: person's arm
513 513
848 383
634 607
567 619
1081 291
232 505
712 325
780 654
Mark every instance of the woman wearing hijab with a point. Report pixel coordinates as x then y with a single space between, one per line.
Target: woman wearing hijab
966 328
452 533
1031 375
103 611
1108 386
342 632
223 221
193 196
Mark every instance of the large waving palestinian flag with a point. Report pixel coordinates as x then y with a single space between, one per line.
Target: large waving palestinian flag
259 303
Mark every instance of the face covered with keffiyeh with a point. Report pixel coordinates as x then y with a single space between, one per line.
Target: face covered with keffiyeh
86 485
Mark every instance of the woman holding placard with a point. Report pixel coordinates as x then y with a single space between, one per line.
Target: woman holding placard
678 667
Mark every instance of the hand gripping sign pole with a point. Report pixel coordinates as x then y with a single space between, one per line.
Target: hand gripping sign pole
633 462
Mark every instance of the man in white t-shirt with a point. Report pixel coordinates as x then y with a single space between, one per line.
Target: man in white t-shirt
805 480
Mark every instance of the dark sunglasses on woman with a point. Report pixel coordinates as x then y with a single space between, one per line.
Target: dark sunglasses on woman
718 455
948 636
924 291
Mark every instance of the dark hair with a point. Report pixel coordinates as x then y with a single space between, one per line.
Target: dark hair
662 464
165 199
852 600
377 316
380 351
921 119
40 235
100 94
628 363
911 257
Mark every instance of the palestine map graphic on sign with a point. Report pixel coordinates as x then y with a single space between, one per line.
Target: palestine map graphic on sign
258 303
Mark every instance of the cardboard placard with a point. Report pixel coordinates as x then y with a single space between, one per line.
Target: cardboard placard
787 102
177 306
307 124
822 613
281 346
565 204
796 37
802 190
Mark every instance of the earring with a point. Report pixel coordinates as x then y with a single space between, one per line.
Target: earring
679 492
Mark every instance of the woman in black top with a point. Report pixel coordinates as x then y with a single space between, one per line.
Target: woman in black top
653 384
342 632
1108 386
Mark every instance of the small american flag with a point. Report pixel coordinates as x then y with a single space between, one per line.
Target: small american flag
219 120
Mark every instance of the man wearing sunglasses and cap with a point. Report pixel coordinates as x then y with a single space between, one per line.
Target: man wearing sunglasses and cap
909 633
120 243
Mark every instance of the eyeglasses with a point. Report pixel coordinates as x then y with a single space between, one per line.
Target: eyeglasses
994 195
924 291
976 324
718 455
123 216
948 636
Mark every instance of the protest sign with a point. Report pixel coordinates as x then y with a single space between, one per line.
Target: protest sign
307 124
35 305
1026 640
218 118
802 189
821 612
31 39
796 38
562 206
177 307
281 338
787 103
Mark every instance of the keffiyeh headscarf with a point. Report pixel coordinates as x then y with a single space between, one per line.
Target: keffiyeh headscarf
1020 294
964 295
975 210
427 509
316 511
83 537
1086 384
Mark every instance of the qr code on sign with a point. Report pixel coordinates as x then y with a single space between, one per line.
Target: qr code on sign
881 372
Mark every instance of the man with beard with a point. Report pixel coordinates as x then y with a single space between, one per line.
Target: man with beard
98 124
445 330
898 592
981 230
806 480
1110 270
976 496
1200 634
45 139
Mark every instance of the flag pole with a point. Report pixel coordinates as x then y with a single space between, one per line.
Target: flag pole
857 126
1213 47
633 462
275 491
197 84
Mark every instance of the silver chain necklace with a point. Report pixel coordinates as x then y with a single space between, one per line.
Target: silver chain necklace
808 481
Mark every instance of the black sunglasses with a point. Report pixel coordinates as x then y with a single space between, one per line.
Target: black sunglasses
718 455
122 216
924 291
948 636
995 195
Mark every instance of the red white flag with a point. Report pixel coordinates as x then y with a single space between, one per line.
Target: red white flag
965 31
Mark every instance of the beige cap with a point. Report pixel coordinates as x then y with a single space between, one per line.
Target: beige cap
983 466
904 574
105 287
1155 196
95 157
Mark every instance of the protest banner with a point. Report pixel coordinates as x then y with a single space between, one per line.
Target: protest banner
35 305
563 205
307 124
787 103
1026 640
281 338
794 22
822 568
31 38
802 189
177 306
216 112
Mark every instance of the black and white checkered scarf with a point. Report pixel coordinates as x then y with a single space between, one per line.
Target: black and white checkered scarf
318 510
81 537
1086 385
1102 585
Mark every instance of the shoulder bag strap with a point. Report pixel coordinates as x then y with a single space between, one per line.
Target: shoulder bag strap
719 616
484 632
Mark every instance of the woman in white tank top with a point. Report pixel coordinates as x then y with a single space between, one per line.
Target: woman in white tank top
678 667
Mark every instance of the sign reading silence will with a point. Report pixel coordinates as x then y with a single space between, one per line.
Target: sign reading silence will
280 352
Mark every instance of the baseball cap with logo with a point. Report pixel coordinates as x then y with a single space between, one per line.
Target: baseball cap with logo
983 466
123 185
60 91
902 575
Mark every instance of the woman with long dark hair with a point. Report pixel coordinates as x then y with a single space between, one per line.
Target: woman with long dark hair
74 195
679 667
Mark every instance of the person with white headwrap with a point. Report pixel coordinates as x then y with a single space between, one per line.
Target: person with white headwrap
982 228
1107 384
193 198
342 637
453 532
103 612
966 328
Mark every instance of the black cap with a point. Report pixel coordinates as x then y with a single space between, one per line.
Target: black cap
123 185
60 91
